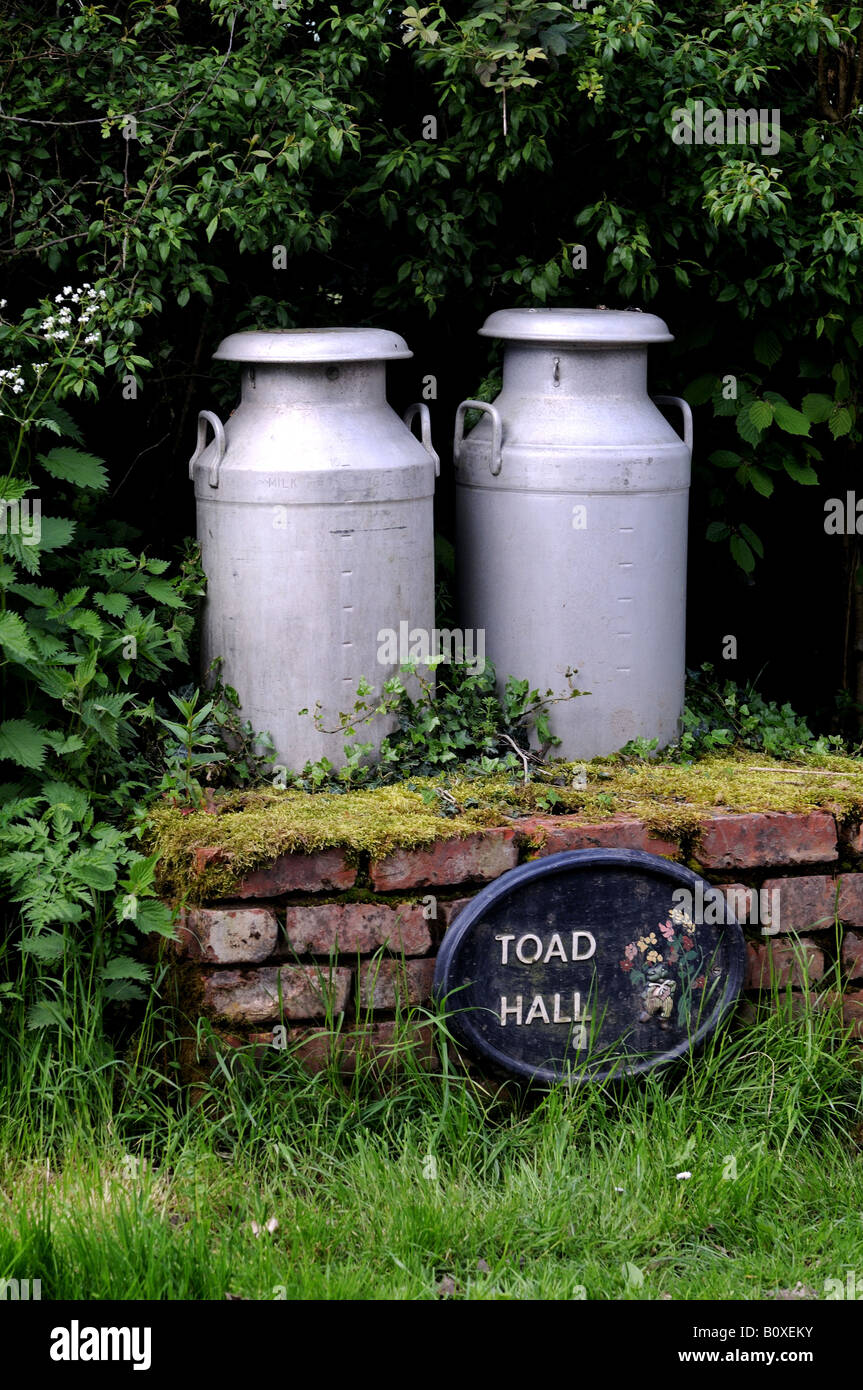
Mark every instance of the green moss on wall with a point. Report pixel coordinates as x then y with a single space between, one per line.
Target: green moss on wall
252 828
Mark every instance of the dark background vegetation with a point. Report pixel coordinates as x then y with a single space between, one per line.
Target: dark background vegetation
428 237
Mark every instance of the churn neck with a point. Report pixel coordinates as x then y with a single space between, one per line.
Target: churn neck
575 352
315 365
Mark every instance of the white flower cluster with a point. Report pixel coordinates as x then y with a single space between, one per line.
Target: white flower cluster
56 327
11 376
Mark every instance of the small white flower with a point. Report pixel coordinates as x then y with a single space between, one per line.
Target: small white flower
271 1226
620 1189
683 1175
58 299
91 338
2 303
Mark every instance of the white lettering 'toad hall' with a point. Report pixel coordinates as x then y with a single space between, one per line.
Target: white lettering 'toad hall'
531 948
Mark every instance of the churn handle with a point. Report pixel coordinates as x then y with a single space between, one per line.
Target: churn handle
496 432
420 408
205 417
687 415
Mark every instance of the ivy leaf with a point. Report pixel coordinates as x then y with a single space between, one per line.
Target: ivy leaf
761 414
800 472
752 540
767 348
760 481
742 554
791 420
841 421
746 427
816 407
74 466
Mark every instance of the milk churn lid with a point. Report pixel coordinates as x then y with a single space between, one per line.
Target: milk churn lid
313 345
605 327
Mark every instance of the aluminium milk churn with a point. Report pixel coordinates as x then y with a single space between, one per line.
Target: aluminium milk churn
572 496
314 505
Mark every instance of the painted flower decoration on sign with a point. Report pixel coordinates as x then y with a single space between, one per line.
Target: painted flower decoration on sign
666 970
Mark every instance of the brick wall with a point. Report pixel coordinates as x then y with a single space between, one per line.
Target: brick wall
329 951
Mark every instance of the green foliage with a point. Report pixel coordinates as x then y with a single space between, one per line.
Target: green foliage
450 719
723 715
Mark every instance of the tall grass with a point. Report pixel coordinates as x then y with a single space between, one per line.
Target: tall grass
420 1184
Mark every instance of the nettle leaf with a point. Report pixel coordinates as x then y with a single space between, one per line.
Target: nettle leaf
86 621
68 797
162 591
74 466
125 968
57 531
14 637
61 421
154 916
22 743
115 604
122 991
47 1014
48 945
92 870
64 743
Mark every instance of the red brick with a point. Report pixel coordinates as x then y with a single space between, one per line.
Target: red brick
852 1011
741 901
299 873
781 960
386 1044
766 838
554 834
852 955
851 899
357 927
228 936
390 984
478 858
448 912
805 904
851 1002
252 996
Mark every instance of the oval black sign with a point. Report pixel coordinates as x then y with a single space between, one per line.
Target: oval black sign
590 964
